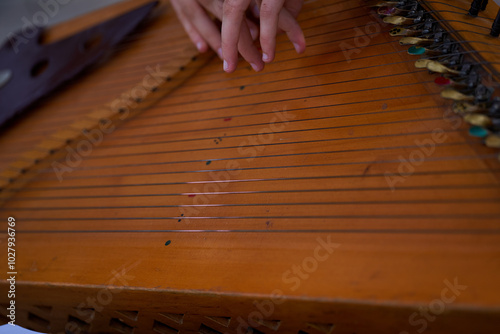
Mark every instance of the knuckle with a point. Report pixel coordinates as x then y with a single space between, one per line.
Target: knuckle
232 7
268 11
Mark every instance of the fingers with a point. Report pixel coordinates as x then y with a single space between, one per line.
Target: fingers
238 32
255 8
248 50
294 6
198 25
288 24
269 16
232 23
254 29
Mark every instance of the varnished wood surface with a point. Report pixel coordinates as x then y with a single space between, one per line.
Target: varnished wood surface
321 173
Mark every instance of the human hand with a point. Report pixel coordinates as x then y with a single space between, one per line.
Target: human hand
238 32
273 14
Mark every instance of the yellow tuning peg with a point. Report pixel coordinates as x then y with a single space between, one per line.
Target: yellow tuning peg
478 120
400 31
450 93
422 63
436 66
398 20
493 141
414 41
465 108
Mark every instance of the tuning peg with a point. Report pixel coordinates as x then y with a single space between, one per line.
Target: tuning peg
463 108
422 63
476 6
400 31
478 120
416 50
391 11
493 141
415 41
450 93
435 66
398 20
477 131
387 4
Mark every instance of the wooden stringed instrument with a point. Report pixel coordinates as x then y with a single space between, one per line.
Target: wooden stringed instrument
338 191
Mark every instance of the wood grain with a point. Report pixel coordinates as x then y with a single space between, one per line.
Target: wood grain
228 189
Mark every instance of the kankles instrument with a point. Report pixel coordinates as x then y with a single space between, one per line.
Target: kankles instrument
339 191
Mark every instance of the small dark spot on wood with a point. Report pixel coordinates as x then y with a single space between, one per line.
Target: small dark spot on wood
168 242
366 169
138 100
154 89
11 180
69 141
168 79
182 68
121 110
37 161
191 195
384 106
194 58
227 119
52 151
85 131
208 162
182 215
23 171
242 87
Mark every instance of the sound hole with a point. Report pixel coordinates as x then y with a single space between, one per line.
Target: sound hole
39 68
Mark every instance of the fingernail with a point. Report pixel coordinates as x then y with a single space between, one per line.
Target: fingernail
254 33
219 52
255 67
297 47
226 66
199 46
265 57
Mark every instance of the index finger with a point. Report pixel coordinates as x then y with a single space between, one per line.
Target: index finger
232 18
269 16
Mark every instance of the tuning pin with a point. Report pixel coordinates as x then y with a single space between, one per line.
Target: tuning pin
478 120
422 63
477 131
435 66
399 20
493 141
415 41
400 31
387 4
443 81
463 108
476 6
450 93
391 11
416 50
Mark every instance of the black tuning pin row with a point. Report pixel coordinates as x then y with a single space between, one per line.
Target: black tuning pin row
476 6
462 81
480 5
